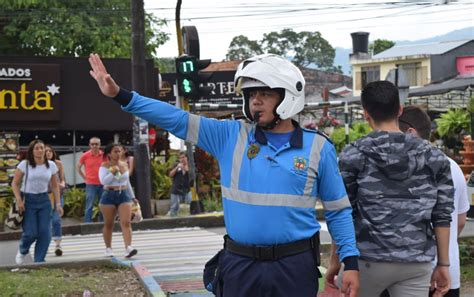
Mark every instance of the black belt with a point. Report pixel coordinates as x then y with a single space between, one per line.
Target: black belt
271 252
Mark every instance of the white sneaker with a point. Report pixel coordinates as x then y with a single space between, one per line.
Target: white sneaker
20 258
130 252
109 252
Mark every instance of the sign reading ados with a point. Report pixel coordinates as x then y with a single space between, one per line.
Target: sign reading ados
29 92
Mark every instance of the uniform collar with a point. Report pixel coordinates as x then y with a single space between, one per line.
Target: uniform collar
296 139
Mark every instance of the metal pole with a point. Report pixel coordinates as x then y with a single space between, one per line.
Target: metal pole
140 144
195 205
74 162
346 121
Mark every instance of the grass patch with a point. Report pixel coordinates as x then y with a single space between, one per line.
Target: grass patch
63 281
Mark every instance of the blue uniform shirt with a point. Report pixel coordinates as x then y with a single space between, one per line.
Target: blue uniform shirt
269 194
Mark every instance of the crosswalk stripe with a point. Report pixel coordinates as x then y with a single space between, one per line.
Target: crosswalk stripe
167 254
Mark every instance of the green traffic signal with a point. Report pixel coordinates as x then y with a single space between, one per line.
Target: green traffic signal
187 86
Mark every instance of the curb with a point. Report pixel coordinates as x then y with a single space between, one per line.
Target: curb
147 280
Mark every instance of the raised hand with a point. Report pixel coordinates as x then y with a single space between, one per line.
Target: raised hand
106 83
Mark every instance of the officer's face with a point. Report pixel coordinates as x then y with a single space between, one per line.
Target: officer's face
263 102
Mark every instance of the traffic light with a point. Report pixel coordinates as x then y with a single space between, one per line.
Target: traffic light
190 77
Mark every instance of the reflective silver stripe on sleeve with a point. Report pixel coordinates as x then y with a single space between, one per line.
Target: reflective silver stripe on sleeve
337 204
268 199
238 155
193 128
314 158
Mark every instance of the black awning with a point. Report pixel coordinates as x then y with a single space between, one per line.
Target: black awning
458 84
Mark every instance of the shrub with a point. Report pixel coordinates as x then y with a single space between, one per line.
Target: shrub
160 181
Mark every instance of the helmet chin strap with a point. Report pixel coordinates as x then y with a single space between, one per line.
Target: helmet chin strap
276 120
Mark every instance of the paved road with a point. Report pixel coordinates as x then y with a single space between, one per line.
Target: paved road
174 257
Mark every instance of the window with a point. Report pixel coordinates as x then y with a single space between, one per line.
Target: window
369 74
415 74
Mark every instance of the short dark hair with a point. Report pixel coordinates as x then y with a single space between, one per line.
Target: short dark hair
414 117
381 101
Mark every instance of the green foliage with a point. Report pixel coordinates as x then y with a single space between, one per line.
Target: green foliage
453 122
211 203
5 204
241 48
380 45
166 65
73 28
358 130
160 181
304 48
466 251
470 105
74 202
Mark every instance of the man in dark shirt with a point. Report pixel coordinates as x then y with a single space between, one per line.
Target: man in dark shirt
181 184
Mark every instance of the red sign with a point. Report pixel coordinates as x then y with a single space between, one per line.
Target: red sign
465 65
152 136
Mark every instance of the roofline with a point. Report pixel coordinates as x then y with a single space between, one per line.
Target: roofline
391 59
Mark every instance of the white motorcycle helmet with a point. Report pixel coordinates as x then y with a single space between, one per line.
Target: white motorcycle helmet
275 72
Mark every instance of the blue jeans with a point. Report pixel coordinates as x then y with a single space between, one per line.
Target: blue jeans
36 225
56 223
115 198
176 199
92 192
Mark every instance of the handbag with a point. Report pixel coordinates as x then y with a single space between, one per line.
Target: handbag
136 212
14 217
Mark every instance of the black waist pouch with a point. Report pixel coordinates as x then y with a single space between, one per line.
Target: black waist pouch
210 275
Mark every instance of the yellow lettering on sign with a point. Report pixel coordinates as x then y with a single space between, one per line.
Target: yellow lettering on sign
45 98
9 99
23 92
3 98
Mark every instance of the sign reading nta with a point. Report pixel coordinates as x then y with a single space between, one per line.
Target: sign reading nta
29 92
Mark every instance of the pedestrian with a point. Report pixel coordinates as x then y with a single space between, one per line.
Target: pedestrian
128 158
56 218
180 189
271 172
30 187
401 190
114 175
415 121
91 161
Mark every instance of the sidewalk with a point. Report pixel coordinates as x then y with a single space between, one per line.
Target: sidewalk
173 251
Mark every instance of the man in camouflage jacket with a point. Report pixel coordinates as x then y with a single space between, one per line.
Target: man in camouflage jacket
401 191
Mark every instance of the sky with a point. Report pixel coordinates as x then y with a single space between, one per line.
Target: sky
218 21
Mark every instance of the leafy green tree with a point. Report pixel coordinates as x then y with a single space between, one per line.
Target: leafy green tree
166 65
380 45
241 48
73 28
303 48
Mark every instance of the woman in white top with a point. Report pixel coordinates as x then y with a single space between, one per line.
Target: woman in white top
117 195
36 206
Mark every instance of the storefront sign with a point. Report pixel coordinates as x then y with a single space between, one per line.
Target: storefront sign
223 91
30 92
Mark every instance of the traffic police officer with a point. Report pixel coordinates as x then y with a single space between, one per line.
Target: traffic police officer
272 171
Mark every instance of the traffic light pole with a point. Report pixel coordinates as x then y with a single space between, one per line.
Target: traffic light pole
140 146
195 205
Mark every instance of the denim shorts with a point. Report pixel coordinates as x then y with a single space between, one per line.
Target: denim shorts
115 197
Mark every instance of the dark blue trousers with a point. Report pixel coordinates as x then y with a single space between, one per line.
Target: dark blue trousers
290 276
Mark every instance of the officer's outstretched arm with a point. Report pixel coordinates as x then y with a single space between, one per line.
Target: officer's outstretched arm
106 83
